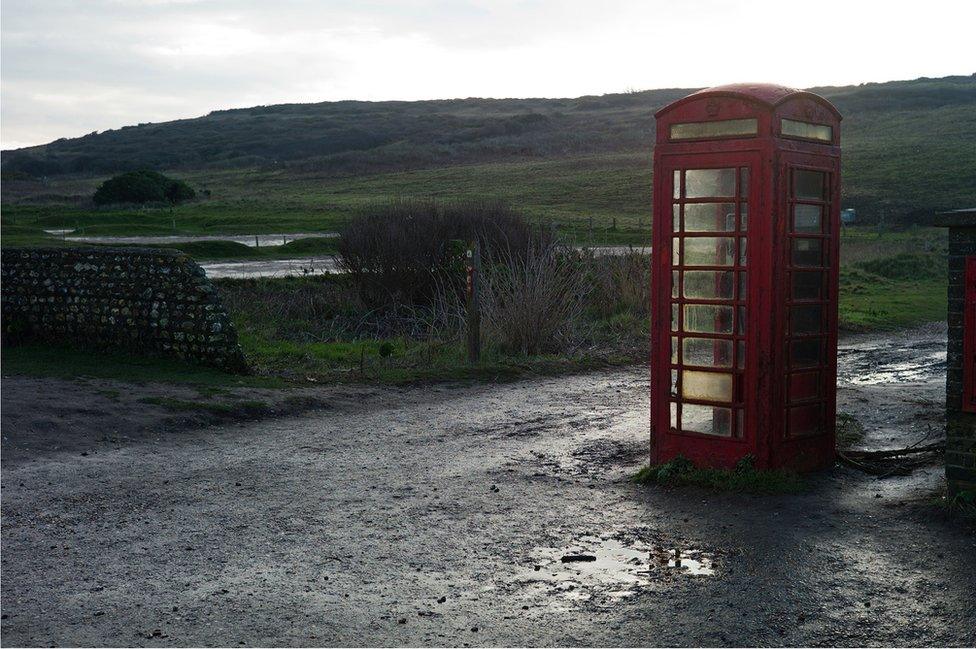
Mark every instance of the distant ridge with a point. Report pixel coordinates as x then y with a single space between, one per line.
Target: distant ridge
903 140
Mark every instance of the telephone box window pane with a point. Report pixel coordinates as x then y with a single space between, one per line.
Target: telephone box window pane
674 415
709 183
675 252
674 349
807 252
710 217
676 179
807 218
744 182
807 130
706 419
674 283
805 420
676 220
742 251
806 319
808 185
674 383
706 386
743 279
707 352
804 385
709 251
807 285
719 128
740 321
743 216
741 355
806 353
674 317
708 284
708 318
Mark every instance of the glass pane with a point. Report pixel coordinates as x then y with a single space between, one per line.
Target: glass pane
709 251
808 184
740 354
806 319
706 386
805 353
674 349
675 252
706 419
743 182
674 283
805 420
707 352
743 278
674 383
709 183
742 251
676 180
808 285
719 128
708 284
708 318
674 415
804 385
806 252
807 218
743 216
676 218
674 317
795 128
739 422
740 323
709 217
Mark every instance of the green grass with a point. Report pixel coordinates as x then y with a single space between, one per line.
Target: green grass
60 362
743 478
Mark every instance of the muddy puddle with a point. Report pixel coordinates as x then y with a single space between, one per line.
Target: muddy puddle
607 570
907 359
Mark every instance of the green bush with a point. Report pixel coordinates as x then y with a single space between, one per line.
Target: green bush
142 187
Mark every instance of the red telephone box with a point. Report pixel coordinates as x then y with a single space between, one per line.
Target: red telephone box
744 278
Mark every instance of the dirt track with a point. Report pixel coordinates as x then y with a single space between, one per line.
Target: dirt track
439 516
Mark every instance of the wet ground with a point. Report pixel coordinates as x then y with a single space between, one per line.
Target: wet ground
481 515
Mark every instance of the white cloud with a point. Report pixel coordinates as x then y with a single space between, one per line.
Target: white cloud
70 68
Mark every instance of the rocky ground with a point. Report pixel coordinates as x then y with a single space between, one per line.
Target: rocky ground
441 515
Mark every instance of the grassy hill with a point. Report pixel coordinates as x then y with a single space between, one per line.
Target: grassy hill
909 150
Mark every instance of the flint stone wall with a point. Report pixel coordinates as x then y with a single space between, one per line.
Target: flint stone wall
158 302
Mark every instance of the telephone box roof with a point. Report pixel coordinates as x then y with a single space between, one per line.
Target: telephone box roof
767 94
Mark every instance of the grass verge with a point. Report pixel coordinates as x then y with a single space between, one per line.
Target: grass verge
62 362
743 478
235 409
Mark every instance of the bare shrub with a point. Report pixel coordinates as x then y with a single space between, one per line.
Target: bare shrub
407 251
621 284
531 303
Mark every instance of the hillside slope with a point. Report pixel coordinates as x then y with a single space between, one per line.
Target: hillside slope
909 146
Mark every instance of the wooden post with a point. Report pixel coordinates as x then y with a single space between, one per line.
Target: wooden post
256 244
473 258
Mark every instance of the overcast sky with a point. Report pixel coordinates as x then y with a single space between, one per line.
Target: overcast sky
69 68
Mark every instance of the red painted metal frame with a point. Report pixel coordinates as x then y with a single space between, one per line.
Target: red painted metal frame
969 339
762 388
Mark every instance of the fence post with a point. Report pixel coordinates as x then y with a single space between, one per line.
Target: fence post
473 259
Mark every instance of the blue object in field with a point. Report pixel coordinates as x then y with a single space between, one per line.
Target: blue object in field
848 216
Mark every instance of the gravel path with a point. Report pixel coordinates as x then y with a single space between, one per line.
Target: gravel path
440 515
